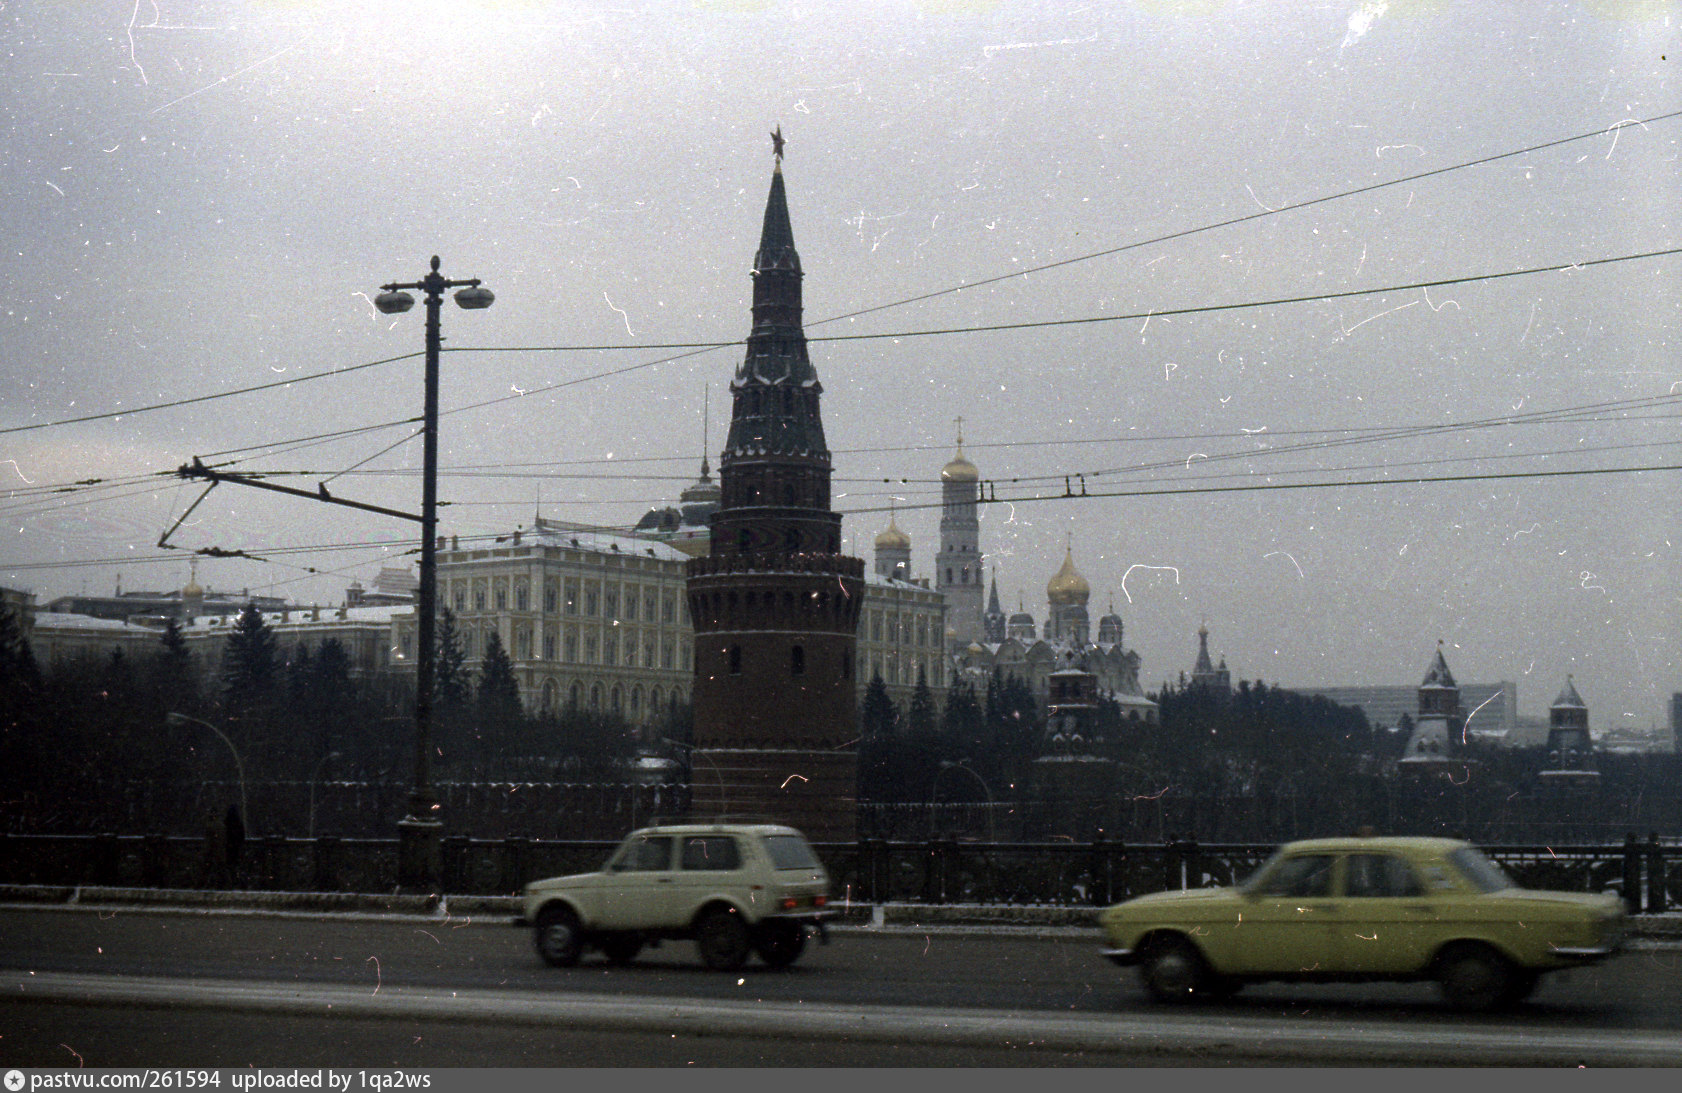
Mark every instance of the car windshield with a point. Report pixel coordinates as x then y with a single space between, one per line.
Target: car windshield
1250 883
1482 872
790 852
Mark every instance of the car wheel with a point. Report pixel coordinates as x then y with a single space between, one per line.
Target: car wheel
1174 971
722 939
558 937
621 948
1474 977
779 944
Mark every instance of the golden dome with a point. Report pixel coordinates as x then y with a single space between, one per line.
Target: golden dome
960 470
893 538
1068 586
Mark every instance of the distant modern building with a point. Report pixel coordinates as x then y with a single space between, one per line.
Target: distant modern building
1491 708
190 601
394 587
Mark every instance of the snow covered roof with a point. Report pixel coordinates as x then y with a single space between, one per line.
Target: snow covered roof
604 541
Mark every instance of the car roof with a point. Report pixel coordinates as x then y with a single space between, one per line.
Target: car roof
722 828
1425 843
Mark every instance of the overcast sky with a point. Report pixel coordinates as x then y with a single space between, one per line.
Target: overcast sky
202 197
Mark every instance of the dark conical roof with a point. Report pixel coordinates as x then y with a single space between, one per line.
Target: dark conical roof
1438 675
770 422
776 235
1568 698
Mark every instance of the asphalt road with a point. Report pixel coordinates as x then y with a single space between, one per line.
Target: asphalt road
121 988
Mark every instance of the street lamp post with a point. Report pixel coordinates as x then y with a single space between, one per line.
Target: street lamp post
315 776
239 764
963 765
420 833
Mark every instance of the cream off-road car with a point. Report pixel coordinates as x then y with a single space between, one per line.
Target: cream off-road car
733 888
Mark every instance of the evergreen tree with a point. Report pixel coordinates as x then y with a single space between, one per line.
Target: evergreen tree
175 643
499 716
332 672
499 691
174 683
877 745
20 677
300 676
961 725
877 715
250 661
23 747
450 685
920 722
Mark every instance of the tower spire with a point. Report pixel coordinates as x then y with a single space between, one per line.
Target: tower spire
706 414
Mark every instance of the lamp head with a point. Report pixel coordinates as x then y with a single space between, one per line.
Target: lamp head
393 303
475 298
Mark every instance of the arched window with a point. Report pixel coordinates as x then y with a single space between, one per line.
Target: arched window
797 660
735 660
572 696
614 703
548 695
595 696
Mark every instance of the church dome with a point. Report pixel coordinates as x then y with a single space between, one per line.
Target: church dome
960 470
1068 586
893 538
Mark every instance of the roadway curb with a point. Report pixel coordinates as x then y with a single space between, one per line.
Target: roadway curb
1129 1039
1666 927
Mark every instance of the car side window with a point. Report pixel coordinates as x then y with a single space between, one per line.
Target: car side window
711 852
1380 876
648 854
1307 876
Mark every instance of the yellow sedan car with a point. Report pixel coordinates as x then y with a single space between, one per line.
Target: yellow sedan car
1359 909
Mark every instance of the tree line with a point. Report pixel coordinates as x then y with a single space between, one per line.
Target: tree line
268 713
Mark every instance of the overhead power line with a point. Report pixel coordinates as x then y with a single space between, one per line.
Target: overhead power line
707 346
208 398
1072 492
